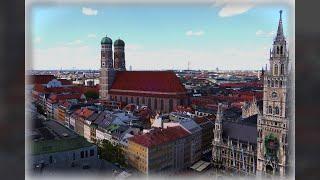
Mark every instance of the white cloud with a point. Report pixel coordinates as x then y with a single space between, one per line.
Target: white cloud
261 33
92 36
89 11
75 42
37 40
234 9
195 33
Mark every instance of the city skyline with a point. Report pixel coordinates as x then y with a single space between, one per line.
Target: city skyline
68 37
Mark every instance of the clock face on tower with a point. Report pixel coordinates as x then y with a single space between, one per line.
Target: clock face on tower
274 95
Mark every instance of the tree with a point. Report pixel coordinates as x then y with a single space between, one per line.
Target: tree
91 95
111 153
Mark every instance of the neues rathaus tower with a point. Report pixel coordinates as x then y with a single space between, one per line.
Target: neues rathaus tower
273 124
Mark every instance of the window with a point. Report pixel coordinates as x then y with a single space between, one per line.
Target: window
282 69
143 101
115 98
272 83
82 154
91 152
86 153
269 83
131 99
170 105
277 49
270 110
138 101
277 83
155 104
74 156
275 69
161 104
276 109
280 84
126 100
149 102
120 98
281 50
50 160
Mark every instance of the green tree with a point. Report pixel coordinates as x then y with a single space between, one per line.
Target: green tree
111 153
91 95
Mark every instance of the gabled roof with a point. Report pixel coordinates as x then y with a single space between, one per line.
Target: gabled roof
159 136
144 82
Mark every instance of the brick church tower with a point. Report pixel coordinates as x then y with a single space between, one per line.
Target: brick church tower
107 73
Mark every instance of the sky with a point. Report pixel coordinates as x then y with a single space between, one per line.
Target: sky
156 37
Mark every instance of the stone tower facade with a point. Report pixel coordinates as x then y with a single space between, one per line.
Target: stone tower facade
273 123
107 72
119 55
217 136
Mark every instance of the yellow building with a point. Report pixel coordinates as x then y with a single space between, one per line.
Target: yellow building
159 151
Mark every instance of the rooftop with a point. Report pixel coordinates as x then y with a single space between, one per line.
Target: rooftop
146 82
158 136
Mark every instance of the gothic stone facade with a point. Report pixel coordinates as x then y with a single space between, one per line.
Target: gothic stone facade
273 124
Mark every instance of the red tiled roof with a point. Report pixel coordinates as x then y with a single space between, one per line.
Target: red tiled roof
59 97
159 136
84 112
41 79
155 81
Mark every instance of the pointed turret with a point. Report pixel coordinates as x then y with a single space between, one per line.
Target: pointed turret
280 35
219 113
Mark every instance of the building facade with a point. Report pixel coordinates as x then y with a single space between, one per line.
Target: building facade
273 124
162 151
234 144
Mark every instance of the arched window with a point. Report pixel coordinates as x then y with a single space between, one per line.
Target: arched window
126 100
269 83
276 109
170 105
282 69
181 102
276 84
155 104
280 83
149 102
143 101
272 83
281 50
275 69
277 49
161 104
120 98
138 101
131 99
269 109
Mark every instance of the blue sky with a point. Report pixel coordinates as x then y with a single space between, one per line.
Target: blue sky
156 37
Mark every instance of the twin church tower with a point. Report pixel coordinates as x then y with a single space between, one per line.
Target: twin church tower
109 66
